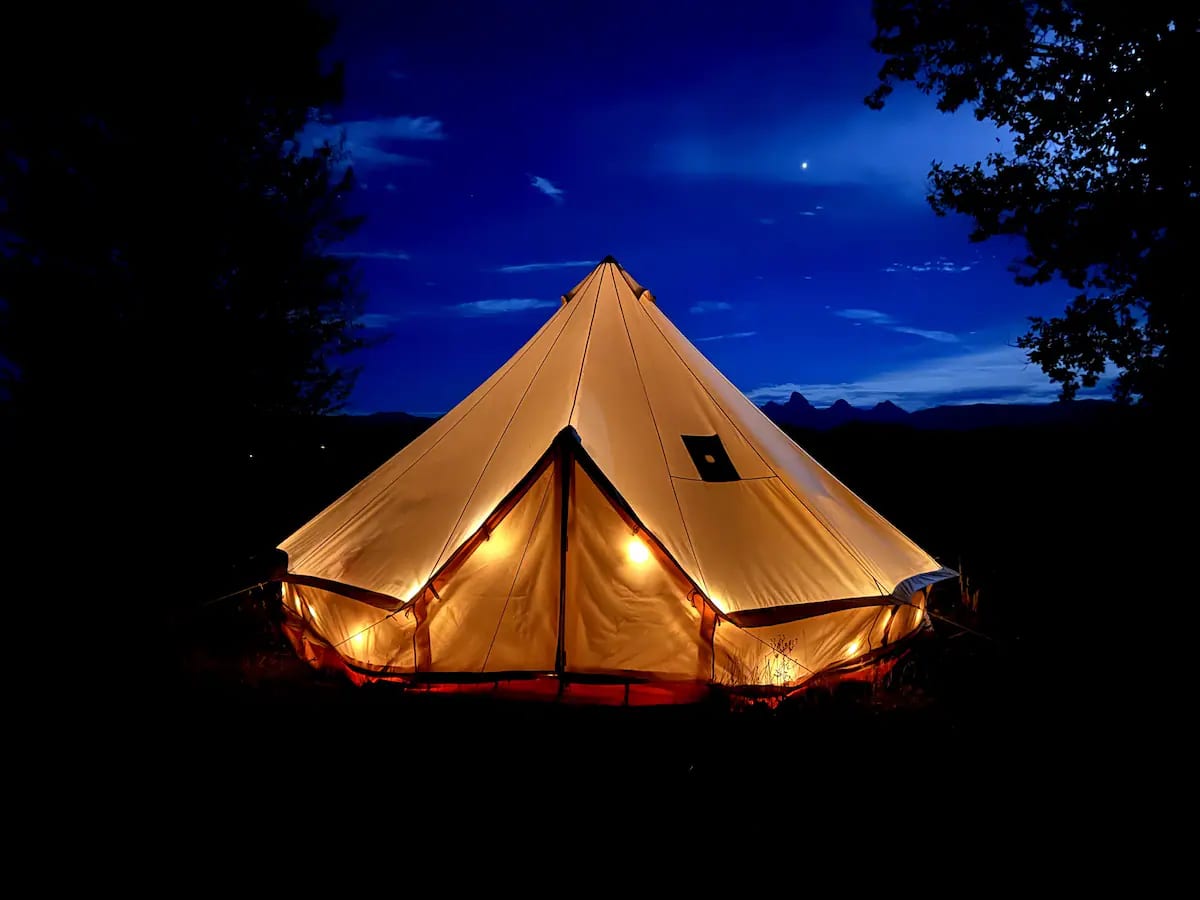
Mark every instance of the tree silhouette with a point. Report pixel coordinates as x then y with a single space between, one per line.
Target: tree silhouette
164 236
1101 183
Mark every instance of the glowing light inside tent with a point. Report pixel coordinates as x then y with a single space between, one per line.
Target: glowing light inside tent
852 647
637 551
495 545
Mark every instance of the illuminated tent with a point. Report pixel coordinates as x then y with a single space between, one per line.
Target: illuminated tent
605 515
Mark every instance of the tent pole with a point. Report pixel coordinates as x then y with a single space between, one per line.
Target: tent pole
564 476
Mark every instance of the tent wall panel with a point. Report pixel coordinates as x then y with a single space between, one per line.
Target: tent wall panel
628 608
361 633
779 655
762 549
498 612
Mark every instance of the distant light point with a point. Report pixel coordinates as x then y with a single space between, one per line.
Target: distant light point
804 165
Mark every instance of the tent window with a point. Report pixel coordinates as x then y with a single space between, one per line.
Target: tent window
709 456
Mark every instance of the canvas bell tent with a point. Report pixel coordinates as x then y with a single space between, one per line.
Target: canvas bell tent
605 516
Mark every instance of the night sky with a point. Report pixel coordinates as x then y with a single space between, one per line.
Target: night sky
721 152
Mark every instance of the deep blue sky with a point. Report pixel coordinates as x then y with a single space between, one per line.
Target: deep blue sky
720 151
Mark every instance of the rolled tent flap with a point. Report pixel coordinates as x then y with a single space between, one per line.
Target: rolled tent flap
503 534
385 602
909 586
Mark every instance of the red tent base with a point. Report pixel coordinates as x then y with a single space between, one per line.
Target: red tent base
582 689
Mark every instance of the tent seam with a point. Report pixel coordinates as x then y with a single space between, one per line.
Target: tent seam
586 346
661 446
739 478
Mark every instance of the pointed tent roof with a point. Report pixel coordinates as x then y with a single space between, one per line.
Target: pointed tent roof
752 519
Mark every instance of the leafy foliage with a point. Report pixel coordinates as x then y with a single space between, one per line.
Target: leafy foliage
1101 183
164 237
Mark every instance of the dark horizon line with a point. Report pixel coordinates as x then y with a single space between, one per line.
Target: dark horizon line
782 403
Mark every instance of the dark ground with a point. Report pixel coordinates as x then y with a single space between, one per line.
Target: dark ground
1069 534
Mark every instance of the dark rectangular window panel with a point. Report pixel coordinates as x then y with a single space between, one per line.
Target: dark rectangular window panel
708 453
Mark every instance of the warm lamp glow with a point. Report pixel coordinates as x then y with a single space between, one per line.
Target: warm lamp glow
852 648
496 545
292 598
637 551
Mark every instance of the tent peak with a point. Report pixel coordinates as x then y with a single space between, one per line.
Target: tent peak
610 259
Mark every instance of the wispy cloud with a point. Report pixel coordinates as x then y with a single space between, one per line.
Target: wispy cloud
547 187
941 264
766 221
369 141
723 337
474 309
707 306
944 337
873 316
499 307
886 320
538 267
992 375
370 254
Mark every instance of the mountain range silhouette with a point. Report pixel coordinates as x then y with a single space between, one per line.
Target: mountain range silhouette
798 412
